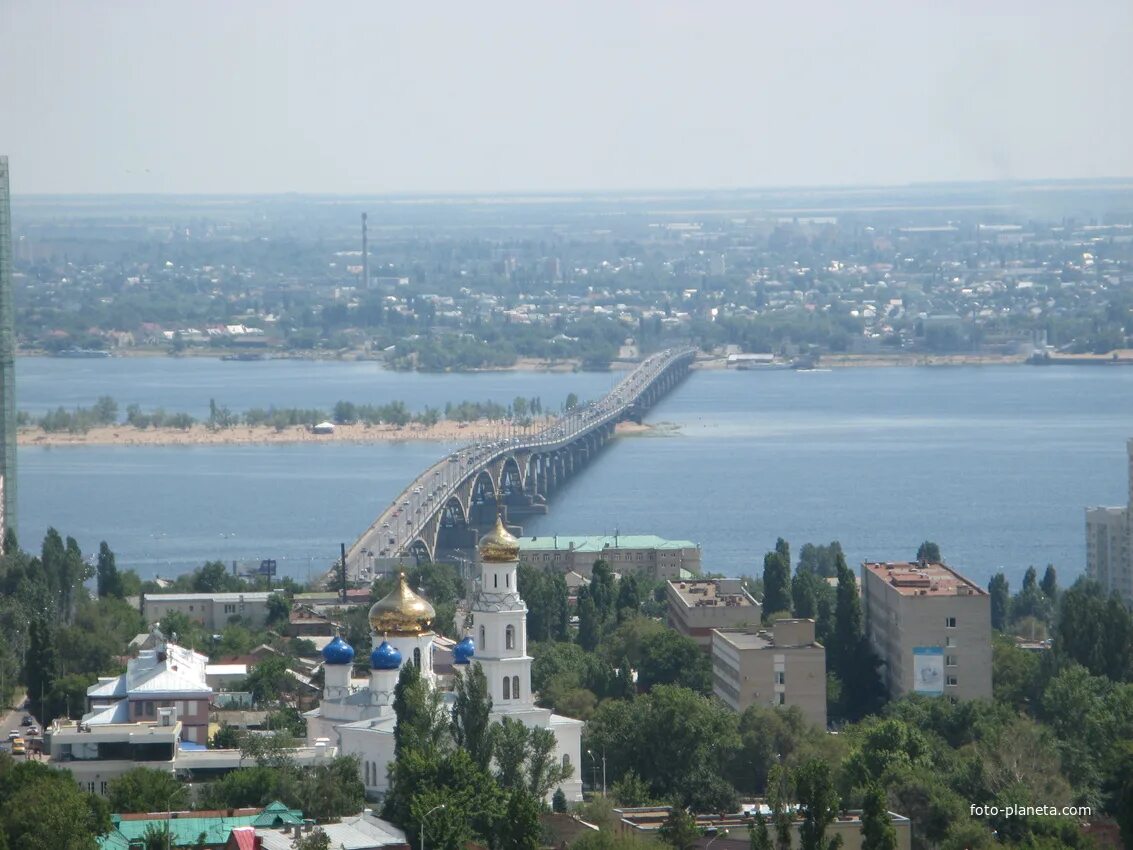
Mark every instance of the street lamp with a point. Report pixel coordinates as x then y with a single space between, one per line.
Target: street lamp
435 808
595 762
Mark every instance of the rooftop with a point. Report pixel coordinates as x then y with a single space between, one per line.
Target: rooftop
712 592
924 578
601 542
249 596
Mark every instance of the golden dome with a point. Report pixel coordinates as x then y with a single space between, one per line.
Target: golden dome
402 612
498 546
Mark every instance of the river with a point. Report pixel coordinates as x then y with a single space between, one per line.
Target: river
993 463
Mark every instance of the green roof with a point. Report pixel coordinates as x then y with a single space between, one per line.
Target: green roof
186 827
599 542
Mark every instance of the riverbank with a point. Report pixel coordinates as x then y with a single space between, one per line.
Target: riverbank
200 435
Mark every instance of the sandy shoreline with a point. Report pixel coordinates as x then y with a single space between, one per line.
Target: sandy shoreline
199 435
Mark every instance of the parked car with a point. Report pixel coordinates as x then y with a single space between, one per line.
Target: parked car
18 747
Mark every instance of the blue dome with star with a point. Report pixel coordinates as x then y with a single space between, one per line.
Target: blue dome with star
463 652
385 657
338 651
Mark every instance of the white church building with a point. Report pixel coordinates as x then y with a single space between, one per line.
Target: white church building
358 715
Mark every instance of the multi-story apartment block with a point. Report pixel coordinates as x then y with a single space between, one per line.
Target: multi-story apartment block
1109 543
699 606
932 628
780 666
212 610
168 676
626 553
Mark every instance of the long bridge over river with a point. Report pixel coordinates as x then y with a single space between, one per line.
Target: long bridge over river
442 510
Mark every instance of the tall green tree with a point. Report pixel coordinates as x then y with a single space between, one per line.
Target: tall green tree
878 832
109 580
818 804
471 723
1000 601
421 721
43 809
679 831
589 621
629 598
670 658
930 552
804 595
520 827
42 667
776 584
1049 583
603 589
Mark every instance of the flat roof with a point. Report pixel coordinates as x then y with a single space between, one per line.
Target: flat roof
705 592
923 578
601 542
250 596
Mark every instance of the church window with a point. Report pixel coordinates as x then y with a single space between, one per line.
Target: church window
483 645
417 658
507 688
515 687
566 760
507 580
367 773
495 581
509 638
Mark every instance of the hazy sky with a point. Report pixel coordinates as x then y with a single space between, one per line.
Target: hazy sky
377 96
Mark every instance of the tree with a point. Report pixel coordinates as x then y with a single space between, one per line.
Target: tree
109 581
317 839
818 804
679 830
804 595
589 621
759 837
520 828
558 801
269 681
278 610
43 809
1049 584
776 584
1000 600
670 658
421 721
877 829
779 801
143 789
629 598
930 552
602 589
41 668
470 715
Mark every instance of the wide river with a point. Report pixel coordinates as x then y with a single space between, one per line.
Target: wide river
993 463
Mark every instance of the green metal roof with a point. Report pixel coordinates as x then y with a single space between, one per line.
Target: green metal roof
599 542
186 829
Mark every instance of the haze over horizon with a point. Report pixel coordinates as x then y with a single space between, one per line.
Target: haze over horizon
528 98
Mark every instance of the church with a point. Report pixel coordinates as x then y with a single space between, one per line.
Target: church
358 715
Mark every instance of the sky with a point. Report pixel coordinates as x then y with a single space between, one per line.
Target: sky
379 97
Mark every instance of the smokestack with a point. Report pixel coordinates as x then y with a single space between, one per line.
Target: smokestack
365 256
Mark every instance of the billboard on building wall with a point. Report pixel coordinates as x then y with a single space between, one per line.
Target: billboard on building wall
928 670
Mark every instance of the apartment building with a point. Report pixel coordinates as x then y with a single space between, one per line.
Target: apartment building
699 606
168 676
1109 543
781 666
642 554
214 611
932 628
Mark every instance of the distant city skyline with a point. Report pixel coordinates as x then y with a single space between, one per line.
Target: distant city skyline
512 97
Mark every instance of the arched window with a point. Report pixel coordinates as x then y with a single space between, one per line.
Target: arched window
515 687
368 773
507 580
417 658
509 637
566 760
482 644
507 688
496 580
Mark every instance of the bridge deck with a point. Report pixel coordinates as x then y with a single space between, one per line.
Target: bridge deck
402 522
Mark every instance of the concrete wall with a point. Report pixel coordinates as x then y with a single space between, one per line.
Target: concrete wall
771 676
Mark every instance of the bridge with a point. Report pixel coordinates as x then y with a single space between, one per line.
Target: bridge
442 510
